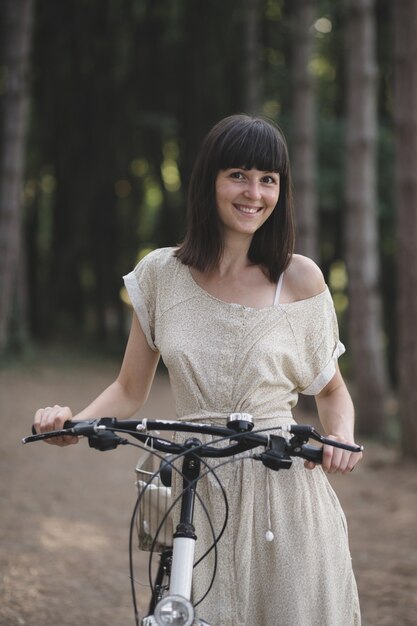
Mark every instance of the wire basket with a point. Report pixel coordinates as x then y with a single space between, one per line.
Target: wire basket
153 508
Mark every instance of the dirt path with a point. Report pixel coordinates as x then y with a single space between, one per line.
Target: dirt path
65 513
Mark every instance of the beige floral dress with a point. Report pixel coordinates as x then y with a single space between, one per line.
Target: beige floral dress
224 358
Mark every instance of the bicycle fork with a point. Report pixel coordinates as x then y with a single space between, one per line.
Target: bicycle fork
184 536
176 607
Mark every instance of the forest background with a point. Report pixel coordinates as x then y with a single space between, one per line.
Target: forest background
103 104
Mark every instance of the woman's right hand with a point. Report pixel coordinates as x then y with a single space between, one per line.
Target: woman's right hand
53 418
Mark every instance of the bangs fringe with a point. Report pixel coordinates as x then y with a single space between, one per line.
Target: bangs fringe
253 146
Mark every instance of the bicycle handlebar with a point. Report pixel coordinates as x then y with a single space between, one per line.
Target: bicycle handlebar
277 453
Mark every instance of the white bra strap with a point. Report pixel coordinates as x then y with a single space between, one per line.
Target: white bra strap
278 289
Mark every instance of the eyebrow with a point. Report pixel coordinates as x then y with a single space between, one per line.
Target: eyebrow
247 169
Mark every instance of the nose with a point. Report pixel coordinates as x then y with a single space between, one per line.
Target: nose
252 190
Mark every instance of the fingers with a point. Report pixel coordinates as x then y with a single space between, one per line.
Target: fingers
53 418
339 460
309 465
333 459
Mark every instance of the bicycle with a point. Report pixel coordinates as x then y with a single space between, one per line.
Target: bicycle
171 603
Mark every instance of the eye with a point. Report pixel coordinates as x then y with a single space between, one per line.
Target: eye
237 175
270 180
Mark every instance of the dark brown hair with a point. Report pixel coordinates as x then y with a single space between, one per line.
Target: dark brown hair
245 142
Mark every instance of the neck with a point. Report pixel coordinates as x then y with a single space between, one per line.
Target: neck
235 255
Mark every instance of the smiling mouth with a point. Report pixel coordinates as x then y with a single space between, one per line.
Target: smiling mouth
248 210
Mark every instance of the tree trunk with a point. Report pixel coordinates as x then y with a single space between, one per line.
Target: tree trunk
365 318
405 113
304 145
16 30
252 47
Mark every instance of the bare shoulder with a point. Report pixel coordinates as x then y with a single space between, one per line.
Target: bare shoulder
303 279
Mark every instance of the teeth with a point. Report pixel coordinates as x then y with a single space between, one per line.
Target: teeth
247 209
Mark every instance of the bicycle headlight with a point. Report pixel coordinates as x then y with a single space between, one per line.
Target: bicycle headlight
174 611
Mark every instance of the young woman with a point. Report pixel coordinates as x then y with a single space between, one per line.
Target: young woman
245 325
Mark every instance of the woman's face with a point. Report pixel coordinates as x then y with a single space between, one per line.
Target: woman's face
245 199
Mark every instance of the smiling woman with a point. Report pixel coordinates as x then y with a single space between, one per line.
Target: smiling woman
243 326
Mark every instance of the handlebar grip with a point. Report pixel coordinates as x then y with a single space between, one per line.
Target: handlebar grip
67 424
312 453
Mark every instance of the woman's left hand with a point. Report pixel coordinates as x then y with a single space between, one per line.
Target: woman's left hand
337 460
337 417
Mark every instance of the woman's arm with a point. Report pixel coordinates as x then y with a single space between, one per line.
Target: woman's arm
337 417
121 399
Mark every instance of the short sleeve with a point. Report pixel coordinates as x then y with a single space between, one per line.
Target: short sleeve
318 344
141 285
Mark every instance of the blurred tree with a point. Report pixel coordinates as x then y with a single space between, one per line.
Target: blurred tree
252 92
304 144
87 136
405 111
361 221
16 29
328 70
154 86
276 47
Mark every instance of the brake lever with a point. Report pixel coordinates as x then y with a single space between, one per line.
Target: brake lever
343 446
302 433
49 435
86 428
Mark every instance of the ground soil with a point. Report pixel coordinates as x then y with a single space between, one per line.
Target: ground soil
65 512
